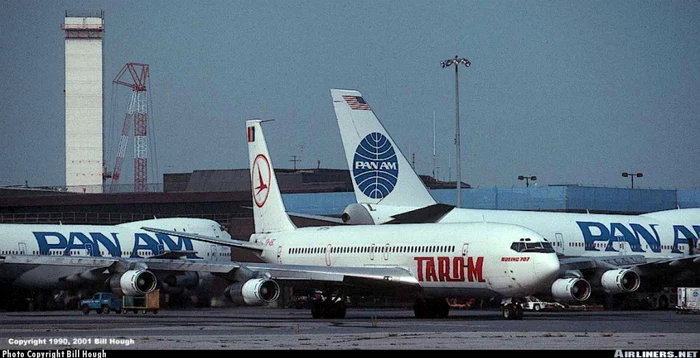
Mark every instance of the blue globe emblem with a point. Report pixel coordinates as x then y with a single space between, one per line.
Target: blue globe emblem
375 166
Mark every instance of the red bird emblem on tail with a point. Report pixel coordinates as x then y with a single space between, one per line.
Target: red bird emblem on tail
261 165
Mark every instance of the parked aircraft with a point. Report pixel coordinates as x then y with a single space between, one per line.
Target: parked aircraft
39 260
428 262
613 253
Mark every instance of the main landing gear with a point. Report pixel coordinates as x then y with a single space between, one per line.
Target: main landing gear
512 309
431 308
328 306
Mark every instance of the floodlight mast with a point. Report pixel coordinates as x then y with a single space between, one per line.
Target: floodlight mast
447 63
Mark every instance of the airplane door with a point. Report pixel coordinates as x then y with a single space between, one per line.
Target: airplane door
161 249
87 251
623 245
386 252
559 247
279 254
328 255
22 248
213 252
371 252
216 230
465 251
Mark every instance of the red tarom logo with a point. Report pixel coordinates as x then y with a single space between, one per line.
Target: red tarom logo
449 269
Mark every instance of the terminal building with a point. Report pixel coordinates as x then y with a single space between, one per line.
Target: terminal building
225 196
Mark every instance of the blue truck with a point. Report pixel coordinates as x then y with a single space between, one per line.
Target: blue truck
101 302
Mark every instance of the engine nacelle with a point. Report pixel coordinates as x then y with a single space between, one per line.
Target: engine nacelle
254 292
620 281
133 282
357 214
572 290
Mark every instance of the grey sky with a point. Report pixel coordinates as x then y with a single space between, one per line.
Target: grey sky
575 92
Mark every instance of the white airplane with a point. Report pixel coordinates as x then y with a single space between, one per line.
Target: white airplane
610 252
37 260
428 262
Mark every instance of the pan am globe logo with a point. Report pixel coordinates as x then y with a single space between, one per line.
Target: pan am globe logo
375 166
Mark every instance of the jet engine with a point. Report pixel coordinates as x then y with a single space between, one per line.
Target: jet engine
571 289
133 282
254 292
357 214
620 281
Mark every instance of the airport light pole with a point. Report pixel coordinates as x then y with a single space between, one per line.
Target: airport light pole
527 179
632 175
447 63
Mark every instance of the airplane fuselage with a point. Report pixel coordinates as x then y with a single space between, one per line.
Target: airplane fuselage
474 260
98 241
654 235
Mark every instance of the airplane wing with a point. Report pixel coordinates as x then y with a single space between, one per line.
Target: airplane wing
230 243
379 280
358 280
667 271
676 271
175 254
589 263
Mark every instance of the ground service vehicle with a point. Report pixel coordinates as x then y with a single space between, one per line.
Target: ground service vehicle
145 303
101 302
688 300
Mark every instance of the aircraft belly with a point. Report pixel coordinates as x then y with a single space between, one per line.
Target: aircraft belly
44 276
466 292
10 272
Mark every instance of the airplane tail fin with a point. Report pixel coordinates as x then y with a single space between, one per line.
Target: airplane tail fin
269 212
380 172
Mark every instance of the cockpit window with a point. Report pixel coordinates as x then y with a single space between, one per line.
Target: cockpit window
545 247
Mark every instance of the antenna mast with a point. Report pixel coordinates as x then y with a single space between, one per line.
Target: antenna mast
434 145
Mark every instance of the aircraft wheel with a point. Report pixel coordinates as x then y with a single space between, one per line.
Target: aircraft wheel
509 311
420 309
518 312
339 310
316 309
443 308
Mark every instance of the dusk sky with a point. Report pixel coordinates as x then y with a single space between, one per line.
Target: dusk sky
574 92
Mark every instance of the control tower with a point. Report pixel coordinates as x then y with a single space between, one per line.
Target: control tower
84 101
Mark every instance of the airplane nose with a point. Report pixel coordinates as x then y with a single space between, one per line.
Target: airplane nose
547 267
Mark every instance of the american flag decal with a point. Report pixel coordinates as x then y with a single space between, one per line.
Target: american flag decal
356 103
251 134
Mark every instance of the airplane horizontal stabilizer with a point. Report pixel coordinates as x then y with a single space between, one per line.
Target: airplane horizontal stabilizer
429 214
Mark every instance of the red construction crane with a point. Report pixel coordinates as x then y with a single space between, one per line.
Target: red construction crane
136 112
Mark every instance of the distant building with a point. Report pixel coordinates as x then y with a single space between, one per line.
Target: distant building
83 101
290 180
